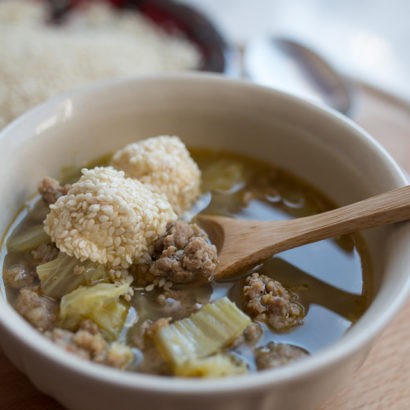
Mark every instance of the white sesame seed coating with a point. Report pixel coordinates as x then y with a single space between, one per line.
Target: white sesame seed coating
108 218
165 164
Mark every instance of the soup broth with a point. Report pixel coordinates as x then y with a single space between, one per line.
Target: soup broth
329 281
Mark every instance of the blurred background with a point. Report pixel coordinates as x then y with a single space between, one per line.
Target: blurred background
366 39
352 55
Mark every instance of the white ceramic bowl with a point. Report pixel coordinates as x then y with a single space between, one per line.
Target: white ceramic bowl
319 145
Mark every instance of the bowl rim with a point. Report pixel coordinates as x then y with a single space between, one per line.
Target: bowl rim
11 322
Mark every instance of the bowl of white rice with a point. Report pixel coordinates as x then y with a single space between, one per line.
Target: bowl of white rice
47 50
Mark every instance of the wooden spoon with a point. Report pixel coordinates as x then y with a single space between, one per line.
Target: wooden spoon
244 243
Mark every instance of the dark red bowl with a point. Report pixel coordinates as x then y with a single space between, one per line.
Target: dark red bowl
173 18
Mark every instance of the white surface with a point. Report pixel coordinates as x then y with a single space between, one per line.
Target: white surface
367 39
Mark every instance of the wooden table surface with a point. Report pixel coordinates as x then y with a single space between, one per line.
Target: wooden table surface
384 380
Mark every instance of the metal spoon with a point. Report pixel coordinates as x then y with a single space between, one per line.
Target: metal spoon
287 64
244 243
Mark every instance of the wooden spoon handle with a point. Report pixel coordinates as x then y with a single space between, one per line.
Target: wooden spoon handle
386 208
244 243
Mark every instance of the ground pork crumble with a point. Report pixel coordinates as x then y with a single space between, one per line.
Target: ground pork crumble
277 354
50 190
184 254
266 300
19 276
40 311
88 343
46 252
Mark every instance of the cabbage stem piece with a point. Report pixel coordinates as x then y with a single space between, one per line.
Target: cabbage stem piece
65 273
29 238
202 334
101 303
218 365
223 175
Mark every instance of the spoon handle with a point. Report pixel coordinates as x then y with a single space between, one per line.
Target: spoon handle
383 209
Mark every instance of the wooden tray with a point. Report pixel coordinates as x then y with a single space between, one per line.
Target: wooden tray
384 380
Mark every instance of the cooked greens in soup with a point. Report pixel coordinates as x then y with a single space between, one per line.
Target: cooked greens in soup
110 265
